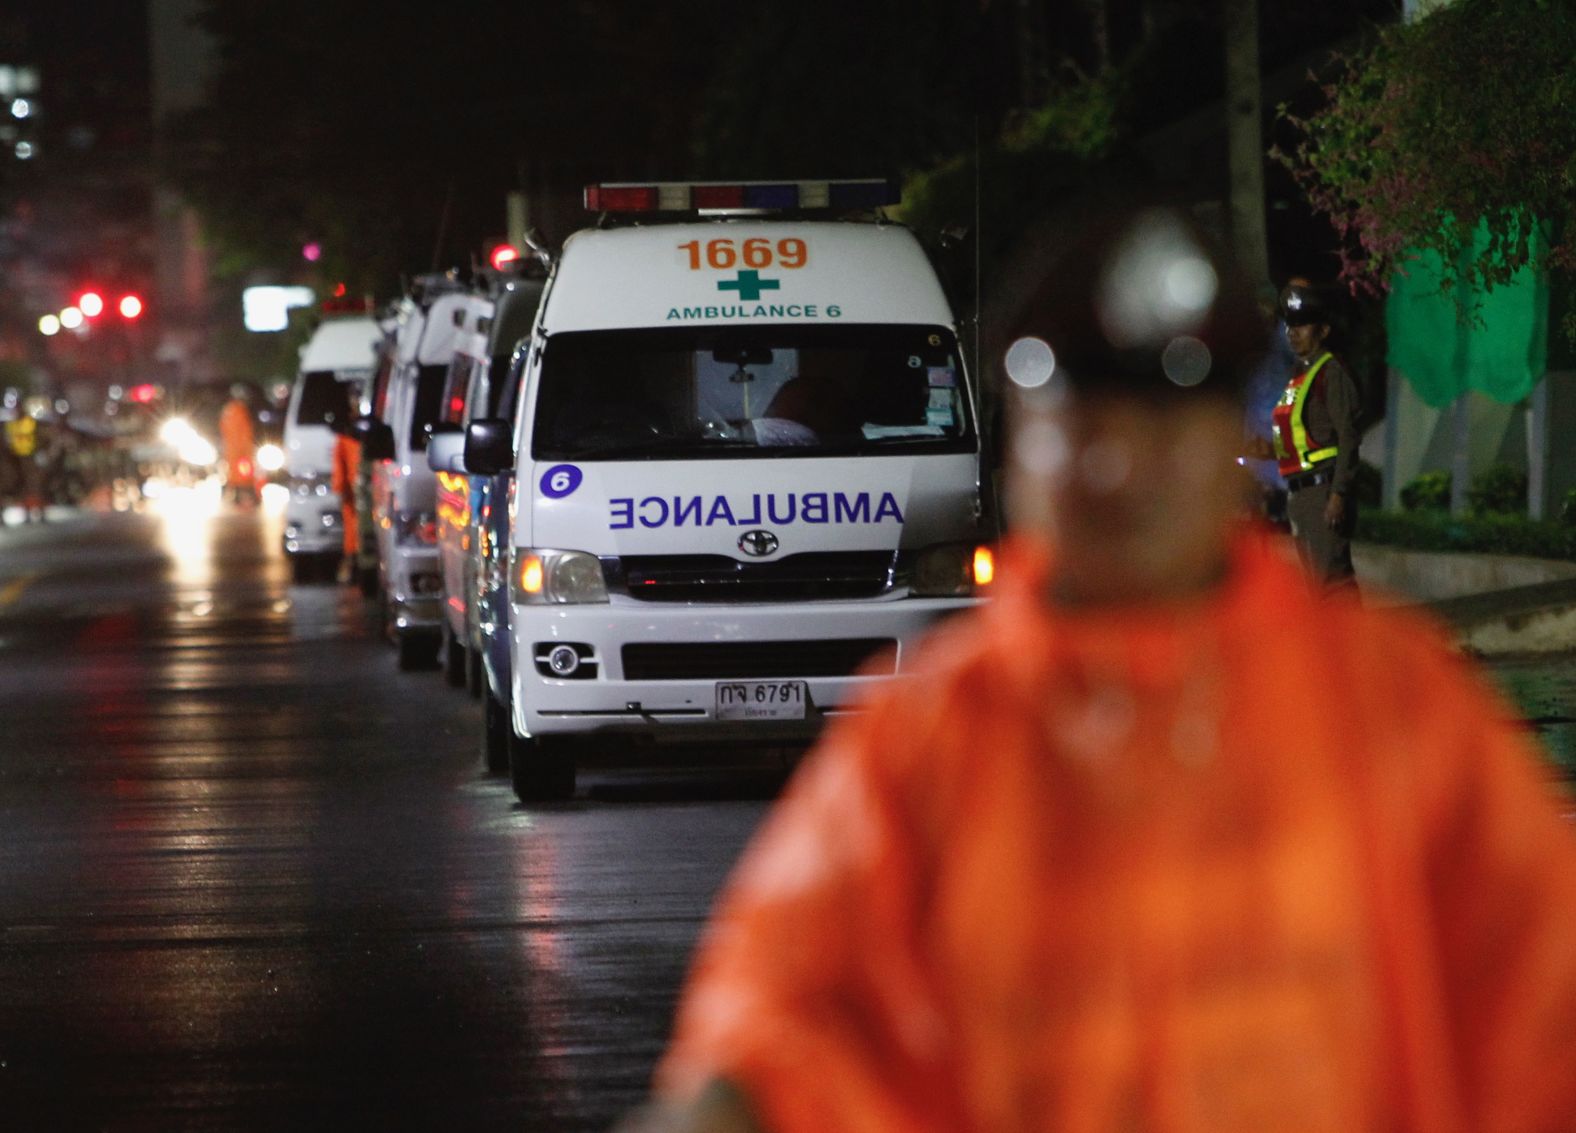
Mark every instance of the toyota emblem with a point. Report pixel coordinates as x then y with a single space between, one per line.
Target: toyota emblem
758 543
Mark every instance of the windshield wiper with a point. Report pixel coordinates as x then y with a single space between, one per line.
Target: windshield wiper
666 446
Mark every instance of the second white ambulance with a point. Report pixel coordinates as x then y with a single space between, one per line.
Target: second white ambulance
747 470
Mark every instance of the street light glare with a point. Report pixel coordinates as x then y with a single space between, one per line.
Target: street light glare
49 325
71 318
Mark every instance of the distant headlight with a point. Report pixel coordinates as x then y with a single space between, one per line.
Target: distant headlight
953 570
555 578
270 458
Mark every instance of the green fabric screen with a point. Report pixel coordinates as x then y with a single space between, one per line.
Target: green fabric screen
1500 349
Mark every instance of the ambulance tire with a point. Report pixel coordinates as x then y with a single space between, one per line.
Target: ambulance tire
475 674
496 732
541 770
454 662
416 651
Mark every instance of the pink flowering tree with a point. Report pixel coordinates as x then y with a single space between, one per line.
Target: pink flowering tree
1455 134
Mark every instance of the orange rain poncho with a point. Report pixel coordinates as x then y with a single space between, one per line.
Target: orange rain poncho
347 461
1262 863
238 442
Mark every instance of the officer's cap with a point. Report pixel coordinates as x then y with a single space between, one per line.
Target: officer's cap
1301 306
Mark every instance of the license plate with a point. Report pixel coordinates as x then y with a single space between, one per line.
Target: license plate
761 700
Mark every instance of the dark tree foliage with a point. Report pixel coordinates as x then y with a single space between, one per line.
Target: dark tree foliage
837 89
391 137
1460 119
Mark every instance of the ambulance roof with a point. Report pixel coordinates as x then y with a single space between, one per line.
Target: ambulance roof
743 270
342 344
475 316
428 335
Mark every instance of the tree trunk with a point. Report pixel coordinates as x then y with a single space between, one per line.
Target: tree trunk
1245 140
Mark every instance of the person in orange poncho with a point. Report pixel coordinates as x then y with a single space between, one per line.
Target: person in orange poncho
238 445
347 460
1160 839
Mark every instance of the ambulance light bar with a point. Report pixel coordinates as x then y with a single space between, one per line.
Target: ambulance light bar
691 196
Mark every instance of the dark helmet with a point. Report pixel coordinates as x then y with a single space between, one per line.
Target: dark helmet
1139 301
1300 305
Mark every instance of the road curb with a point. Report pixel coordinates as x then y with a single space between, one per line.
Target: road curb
1540 618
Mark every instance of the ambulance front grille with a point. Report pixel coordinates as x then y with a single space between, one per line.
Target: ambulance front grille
718 578
741 660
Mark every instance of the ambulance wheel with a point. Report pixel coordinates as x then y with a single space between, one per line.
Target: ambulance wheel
475 675
453 660
541 770
496 731
416 651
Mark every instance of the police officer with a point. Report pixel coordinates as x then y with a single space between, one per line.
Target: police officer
24 438
1314 440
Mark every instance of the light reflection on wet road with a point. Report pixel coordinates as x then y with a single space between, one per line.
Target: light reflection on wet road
253 877
1545 690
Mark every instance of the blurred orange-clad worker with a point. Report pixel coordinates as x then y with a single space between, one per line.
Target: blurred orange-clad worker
1161 839
347 460
238 444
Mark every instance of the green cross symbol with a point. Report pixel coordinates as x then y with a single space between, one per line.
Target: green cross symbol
749 285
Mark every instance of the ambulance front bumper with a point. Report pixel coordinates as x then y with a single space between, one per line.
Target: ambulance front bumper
313 523
657 671
414 589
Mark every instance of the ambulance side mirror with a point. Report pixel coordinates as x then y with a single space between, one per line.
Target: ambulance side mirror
445 451
489 447
377 439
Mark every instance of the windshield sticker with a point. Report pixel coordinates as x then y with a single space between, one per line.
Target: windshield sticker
939 412
560 480
759 311
836 508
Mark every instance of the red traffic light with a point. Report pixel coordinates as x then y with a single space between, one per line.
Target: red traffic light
130 307
501 255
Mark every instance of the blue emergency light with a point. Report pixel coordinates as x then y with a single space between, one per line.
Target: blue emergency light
695 196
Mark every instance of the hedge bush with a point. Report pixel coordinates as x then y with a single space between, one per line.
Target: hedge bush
1429 491
1499 489
1492 534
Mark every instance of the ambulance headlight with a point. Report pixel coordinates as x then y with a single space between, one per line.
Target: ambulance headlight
555 578
953 570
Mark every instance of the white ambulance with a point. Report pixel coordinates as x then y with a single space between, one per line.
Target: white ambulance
404 490
747 470
336 361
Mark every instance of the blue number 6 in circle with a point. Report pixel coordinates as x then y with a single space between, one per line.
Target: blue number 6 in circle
560 480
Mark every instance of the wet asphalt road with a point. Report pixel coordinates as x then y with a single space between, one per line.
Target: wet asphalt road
252 877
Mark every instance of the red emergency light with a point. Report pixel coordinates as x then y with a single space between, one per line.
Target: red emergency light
503 254
90 303
796 196
130 307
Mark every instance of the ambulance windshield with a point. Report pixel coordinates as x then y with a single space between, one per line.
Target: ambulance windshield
771 391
